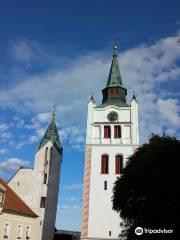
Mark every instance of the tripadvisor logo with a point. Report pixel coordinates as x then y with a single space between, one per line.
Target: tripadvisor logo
140 231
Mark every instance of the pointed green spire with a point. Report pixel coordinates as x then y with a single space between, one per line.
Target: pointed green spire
114 93
114 79
52 135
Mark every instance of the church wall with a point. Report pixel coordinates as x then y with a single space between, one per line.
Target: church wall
102 218
22 184
52 196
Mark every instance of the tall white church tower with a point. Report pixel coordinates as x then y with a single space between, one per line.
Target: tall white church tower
112 136
39 187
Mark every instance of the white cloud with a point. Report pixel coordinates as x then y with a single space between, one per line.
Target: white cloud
69 208
3 127
74 199
74 136
5 134
3 150
170 109
38 135
19 122
43 117
73 186
12 164
21 50
144 68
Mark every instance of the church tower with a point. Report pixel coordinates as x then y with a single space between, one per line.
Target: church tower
39 186
112 136
47 166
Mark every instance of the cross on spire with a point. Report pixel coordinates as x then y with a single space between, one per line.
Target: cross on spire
54 110
115 50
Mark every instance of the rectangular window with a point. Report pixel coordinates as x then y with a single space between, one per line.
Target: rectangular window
28 229
45 178
104 164
43 202
118 164
19 231
107 132
6 230
117 131
105 185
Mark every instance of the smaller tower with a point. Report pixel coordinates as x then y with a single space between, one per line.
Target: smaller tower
39 186
47 167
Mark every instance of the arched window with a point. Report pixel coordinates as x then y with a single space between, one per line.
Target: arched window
107 132
118 164
117 131
104 164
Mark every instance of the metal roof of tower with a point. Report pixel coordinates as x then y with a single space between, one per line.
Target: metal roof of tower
114 79
52 135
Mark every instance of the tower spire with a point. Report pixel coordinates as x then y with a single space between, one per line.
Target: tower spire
114 79
54 111
51 134
114 93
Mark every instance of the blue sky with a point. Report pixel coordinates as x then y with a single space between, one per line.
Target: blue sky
59 52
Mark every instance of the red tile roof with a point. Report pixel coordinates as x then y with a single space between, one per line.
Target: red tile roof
14 203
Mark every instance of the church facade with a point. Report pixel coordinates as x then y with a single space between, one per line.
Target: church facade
112 136
38 187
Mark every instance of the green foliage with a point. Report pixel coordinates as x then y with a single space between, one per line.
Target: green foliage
147 194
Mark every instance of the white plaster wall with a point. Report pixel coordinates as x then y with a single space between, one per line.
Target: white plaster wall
100 114
102 218
135 121
15 219
22 182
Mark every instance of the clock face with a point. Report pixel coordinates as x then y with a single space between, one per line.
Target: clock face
112 116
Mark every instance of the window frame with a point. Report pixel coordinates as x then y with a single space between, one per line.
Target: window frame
28 233
117 131
104 164
20 233
43 202
107 131
105 185
6 234
119 166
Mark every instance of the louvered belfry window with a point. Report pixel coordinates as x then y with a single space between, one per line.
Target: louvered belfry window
118 164
117 131
107 132
104 164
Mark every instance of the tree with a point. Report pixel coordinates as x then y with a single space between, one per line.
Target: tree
147 194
